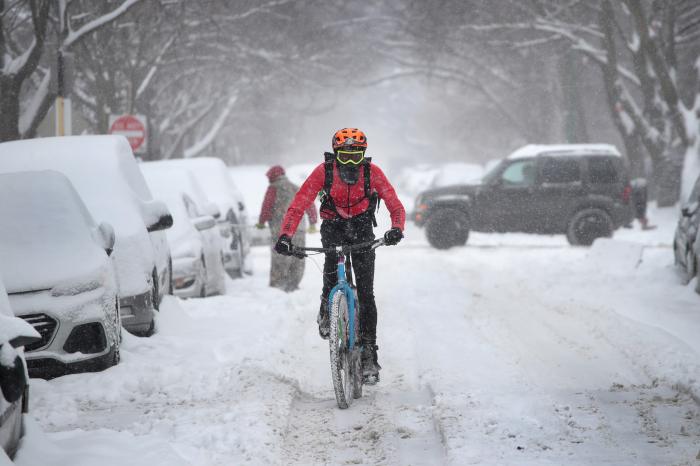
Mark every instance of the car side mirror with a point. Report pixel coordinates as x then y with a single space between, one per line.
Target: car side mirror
163 223
204 223
212 210
13 379
106 237
156 215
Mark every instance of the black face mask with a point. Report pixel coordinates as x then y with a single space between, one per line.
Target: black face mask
348 173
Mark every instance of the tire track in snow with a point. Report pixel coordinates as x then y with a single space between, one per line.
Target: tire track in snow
392 424
384 427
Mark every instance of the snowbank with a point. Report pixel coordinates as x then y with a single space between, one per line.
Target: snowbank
102 447
607 253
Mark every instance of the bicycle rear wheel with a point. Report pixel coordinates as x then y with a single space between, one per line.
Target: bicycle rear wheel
342 361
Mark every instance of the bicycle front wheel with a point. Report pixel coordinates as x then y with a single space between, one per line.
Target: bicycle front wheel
341 360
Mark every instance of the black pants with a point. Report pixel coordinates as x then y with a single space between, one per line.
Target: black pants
351 231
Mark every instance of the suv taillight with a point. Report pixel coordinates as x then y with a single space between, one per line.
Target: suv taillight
626 194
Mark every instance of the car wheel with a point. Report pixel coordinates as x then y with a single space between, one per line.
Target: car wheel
446 228
689 269
118 342
696 267
170 276
588 225
155 292
204 278
151 328
238 273
117 355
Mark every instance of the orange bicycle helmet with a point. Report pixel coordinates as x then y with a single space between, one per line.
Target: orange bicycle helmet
349 137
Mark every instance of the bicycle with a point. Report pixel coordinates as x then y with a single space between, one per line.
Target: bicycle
344 318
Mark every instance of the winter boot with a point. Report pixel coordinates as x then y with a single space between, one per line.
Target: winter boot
370 364
324 324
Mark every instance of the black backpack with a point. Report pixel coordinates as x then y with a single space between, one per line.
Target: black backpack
327 202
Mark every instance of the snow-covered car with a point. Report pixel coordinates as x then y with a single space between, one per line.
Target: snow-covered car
213 177
196 243
54 262
686 240
107 177
14 384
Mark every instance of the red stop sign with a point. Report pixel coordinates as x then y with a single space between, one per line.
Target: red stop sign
132 128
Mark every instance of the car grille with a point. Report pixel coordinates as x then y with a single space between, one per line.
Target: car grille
45 325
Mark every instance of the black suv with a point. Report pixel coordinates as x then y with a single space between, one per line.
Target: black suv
581 190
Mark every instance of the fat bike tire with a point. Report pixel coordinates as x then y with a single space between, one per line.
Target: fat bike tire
357 354
342 367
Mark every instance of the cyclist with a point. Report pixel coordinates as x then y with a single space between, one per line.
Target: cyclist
350 186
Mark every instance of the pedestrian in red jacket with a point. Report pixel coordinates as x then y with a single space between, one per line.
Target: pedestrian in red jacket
285 272
347 209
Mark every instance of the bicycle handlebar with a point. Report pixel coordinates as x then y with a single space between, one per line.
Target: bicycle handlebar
345 248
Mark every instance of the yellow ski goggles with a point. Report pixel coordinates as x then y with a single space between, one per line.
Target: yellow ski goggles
354 157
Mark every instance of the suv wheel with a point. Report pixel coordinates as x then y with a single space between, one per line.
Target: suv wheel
447 228
588 225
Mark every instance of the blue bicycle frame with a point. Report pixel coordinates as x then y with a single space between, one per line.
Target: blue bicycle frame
344 287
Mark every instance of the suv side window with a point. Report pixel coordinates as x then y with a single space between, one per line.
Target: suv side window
602 170
520 173
560 170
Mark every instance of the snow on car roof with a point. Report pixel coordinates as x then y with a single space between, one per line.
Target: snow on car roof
92 164
533 150
46 231
212 175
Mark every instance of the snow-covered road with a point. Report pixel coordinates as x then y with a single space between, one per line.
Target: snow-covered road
516 350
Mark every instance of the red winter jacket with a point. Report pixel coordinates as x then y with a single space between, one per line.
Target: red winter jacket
350 200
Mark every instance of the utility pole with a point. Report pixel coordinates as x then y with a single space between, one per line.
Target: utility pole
62 82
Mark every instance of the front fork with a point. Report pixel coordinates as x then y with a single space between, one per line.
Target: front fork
349 295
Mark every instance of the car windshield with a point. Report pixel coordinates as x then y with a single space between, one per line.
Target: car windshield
42 208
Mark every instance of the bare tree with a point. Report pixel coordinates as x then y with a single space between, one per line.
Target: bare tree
25 28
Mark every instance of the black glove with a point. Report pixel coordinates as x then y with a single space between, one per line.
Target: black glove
393 236
284 245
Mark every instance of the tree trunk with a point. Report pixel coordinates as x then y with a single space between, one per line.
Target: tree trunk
668 179
575 128
9 109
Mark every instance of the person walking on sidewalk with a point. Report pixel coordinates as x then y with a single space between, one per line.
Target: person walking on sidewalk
285 272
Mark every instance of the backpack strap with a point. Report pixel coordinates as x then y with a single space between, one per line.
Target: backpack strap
327 202
372 196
